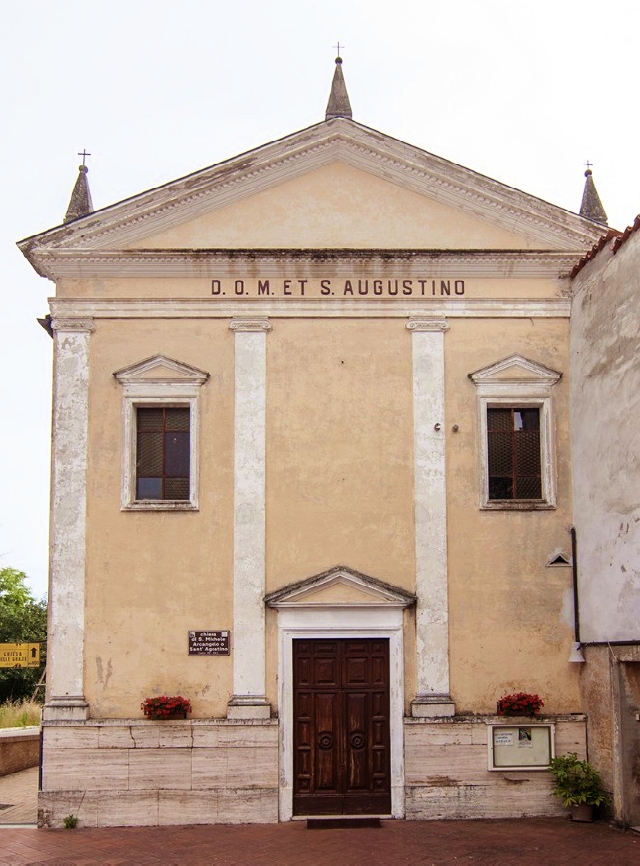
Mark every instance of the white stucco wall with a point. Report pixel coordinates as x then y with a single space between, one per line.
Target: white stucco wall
605 405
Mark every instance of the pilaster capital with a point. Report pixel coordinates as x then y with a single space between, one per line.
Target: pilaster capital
250 324
427 324
73 323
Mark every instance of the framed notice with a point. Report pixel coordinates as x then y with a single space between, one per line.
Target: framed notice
520 747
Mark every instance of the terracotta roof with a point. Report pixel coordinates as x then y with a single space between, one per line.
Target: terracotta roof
626 234
612 234
618 238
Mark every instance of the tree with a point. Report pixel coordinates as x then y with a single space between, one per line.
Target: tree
22 619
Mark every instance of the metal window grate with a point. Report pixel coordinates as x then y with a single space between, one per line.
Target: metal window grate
163 453
514 453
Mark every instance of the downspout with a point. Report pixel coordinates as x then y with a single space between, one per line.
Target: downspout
574 572
576 654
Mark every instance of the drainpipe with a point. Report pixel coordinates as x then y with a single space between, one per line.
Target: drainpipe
576 654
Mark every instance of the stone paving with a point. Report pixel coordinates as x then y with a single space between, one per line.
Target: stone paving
19 798
523 842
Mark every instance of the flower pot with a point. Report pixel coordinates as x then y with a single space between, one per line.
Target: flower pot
582 813
162 717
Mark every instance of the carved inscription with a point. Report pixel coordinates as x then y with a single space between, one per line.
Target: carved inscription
333 288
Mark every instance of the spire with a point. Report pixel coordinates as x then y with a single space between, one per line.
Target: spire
338 105
591 206
80 203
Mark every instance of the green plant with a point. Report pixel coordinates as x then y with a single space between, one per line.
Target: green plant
70 822
577 783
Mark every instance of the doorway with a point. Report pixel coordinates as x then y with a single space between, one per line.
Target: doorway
341 739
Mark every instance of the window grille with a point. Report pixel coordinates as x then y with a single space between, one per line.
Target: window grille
514 453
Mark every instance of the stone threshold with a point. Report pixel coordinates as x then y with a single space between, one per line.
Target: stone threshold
344 822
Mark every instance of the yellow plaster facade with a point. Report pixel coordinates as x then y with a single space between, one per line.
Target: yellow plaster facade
326 299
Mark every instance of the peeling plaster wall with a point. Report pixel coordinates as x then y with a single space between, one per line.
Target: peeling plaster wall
605 402
510 625
339 490
153 576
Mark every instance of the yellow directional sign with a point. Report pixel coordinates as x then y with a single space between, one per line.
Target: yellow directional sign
19 655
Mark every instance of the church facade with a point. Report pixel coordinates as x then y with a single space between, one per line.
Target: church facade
311 471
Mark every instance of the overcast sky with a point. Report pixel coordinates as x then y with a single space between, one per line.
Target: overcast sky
524 93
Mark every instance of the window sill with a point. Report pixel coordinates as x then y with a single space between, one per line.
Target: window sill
517 505
160 505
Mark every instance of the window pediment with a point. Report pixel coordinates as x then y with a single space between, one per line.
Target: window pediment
515 370
160 368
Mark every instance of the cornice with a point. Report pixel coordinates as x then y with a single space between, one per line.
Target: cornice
203 263
338 140
255 309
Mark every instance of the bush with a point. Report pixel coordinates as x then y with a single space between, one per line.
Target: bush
578 783
20 714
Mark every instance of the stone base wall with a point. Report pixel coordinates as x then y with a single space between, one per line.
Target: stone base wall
447 775
19 749
136 772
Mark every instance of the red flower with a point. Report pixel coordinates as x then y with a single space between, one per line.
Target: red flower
519 704
164 705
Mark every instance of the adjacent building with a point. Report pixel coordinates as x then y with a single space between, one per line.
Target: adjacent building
605 375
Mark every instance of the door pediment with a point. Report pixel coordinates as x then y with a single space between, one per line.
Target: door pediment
340 586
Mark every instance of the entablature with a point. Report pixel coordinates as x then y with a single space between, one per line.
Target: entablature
210 263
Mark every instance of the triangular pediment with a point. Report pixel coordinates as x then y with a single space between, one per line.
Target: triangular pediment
334 185
513 370
340 586
160 369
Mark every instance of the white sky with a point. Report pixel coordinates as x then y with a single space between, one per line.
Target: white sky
524 93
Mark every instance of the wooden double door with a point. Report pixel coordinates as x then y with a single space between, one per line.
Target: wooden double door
341 727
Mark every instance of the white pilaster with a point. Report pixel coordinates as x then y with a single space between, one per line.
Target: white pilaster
249 700
65 656
430 506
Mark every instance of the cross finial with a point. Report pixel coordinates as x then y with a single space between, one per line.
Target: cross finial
84 155
588 164
337 47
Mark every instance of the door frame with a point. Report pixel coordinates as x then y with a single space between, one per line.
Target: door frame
342 622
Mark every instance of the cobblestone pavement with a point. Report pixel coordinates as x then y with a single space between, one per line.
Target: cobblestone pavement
522 842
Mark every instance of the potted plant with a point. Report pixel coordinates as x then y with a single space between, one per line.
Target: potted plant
519 704
579 785
165 707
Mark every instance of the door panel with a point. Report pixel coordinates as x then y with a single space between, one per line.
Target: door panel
341 727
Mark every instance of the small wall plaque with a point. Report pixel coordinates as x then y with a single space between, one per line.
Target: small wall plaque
209 643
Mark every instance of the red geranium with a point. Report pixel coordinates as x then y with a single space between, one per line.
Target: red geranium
165 706
519 704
